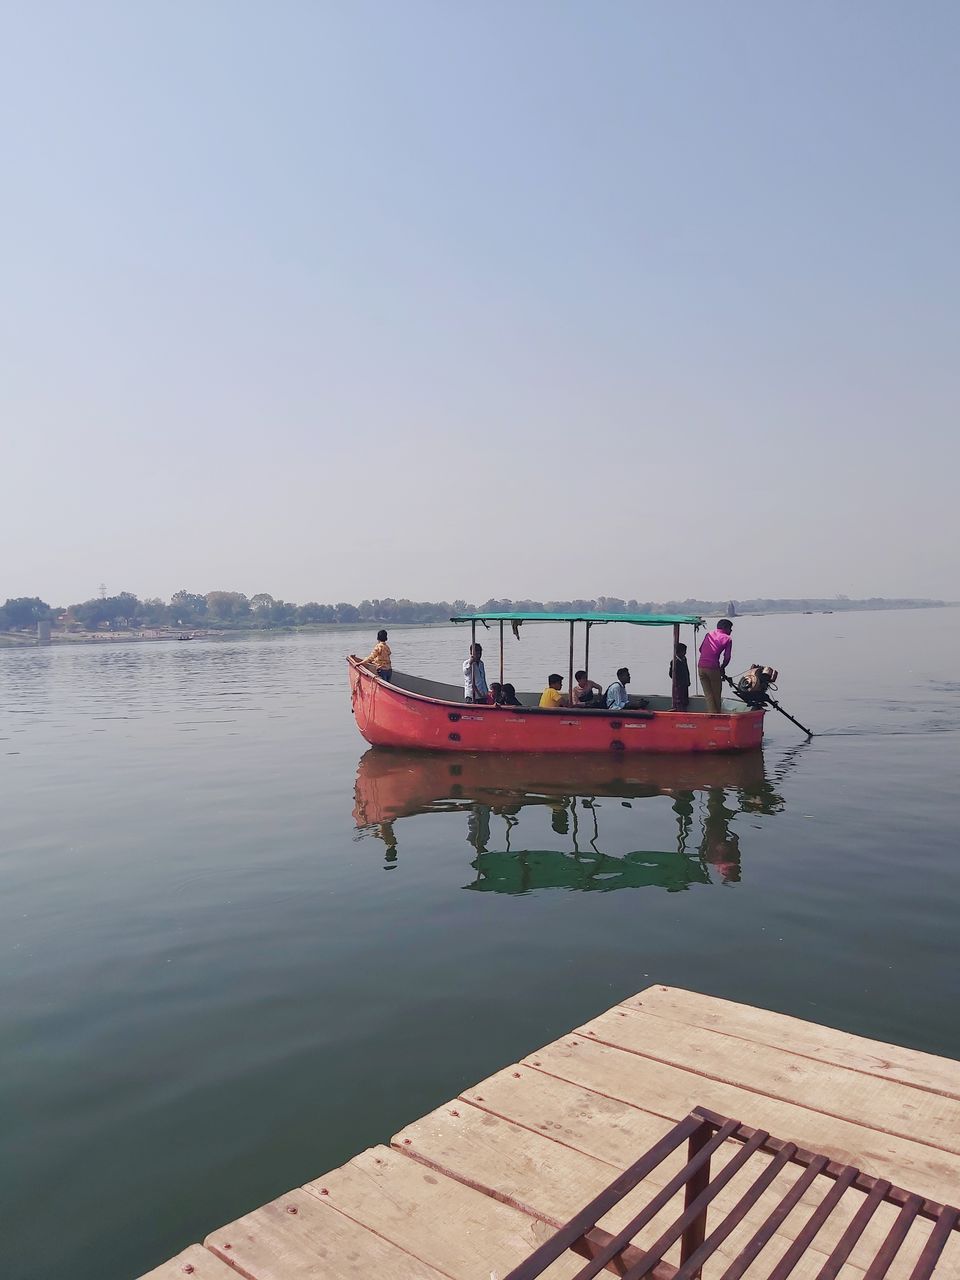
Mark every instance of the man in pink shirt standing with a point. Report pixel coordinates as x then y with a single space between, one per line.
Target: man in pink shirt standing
715 651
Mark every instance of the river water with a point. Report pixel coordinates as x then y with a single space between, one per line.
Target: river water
238 947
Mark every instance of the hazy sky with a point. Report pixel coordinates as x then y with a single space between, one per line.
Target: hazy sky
511 298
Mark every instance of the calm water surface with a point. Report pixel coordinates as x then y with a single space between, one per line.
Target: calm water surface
238 947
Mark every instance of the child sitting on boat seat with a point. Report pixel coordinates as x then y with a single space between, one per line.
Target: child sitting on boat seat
509 698
379 659
551 698
495 696
586 693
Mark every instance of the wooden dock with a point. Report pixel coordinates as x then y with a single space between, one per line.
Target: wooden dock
470 1190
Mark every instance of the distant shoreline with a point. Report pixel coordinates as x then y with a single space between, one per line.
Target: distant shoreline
156 635
61 637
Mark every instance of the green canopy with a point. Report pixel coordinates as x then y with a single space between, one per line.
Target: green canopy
638 619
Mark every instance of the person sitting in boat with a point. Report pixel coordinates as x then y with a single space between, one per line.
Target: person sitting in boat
586 693
495 696
379 659
475 687
510 698
551 698
616 697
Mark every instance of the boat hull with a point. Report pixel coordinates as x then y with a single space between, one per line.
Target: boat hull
388 716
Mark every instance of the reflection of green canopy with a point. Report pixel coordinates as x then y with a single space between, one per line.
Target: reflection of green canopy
638 619
501 872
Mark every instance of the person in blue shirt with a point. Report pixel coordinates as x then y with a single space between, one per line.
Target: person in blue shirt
616 696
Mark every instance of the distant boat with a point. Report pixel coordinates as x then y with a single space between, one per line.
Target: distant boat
184 637
409 711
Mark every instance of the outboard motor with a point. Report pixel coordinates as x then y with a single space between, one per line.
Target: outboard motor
752 686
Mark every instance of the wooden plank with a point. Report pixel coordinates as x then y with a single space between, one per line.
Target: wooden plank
885 1105
671 1091
300 1237
523 1169
196 1262
461 1232
554 1182
824 1044
609 1128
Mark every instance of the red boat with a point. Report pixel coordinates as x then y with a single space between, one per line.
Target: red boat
409 711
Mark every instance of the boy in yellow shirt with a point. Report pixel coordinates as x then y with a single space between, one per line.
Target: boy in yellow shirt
380 659
552 698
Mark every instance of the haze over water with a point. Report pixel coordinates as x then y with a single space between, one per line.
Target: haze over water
217 985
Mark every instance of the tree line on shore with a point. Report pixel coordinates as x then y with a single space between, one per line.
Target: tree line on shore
233 609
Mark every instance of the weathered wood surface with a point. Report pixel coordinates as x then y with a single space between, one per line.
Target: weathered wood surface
197 1263
611 1130
888 1106
553 1182
299 1237
462 1232
823 1044
471 1189
668 1090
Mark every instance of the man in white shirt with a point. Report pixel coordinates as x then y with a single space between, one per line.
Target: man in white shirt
616 696
474 676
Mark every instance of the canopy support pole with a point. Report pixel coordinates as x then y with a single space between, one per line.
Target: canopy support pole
570 680
586 651
473 660
501 652
675 693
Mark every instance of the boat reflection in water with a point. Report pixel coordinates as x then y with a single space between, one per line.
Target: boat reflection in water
707 793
